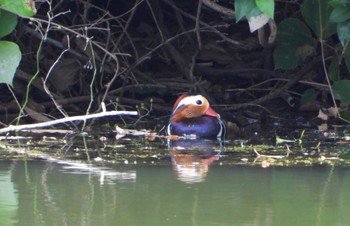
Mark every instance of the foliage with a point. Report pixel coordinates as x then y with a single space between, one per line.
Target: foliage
318 20
10 54
9 59
295 43
8 23
341 91
309 95
266 6
297 38
257 12
253 8
294 39
19 7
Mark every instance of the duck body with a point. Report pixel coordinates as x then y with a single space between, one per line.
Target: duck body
193 116
203 127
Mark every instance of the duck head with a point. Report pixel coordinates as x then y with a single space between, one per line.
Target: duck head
192 107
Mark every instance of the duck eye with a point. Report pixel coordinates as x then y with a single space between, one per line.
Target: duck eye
199 102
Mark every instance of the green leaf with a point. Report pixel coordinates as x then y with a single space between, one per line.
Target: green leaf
8 22
309 95
246 8
347 57
10 56
340 14
333 70
20 7
266 6
254 12
343 30
341 91
316 14
294 44
338 3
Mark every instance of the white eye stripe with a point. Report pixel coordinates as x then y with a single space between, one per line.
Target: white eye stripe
191 100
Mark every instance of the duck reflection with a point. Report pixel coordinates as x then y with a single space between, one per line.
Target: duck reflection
191 158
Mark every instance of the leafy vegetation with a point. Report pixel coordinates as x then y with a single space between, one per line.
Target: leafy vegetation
295 44
297 37
10 54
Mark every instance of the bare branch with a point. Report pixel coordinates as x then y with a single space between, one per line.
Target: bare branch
64 120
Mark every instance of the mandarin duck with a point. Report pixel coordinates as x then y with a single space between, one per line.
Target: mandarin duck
192 115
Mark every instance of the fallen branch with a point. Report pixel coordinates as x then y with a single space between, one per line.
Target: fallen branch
64 120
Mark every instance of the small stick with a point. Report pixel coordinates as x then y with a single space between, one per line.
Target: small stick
288 150
268 156
64 120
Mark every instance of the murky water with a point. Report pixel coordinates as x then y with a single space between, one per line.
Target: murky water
68 193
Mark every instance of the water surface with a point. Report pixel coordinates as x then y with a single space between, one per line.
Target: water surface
70 193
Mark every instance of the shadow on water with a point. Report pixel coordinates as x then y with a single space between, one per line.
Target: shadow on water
137 181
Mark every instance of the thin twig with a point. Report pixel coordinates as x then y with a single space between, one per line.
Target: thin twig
199 8
48 92
64 120
212 28
268 156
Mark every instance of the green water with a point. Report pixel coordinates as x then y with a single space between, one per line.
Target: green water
64 193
